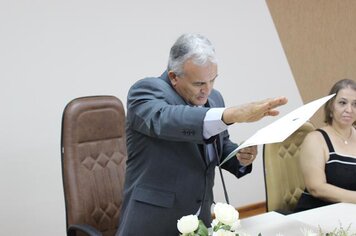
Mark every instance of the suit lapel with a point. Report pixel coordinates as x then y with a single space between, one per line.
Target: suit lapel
201 147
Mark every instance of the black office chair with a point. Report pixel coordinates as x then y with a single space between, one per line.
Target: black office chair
93 149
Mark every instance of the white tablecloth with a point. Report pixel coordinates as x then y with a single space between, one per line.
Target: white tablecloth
325 218
272 224
329 217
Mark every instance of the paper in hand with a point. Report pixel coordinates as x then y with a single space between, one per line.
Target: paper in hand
280 129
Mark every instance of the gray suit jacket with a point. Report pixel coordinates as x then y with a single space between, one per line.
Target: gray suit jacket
167 175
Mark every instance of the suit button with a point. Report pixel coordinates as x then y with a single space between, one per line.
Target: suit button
198 200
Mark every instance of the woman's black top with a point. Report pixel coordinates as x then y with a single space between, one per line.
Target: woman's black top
340 171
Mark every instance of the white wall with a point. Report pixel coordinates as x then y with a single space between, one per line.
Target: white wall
52 51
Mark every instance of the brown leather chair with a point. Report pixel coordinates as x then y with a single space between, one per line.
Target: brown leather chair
93 148
283 178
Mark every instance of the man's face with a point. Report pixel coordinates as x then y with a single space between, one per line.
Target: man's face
196 82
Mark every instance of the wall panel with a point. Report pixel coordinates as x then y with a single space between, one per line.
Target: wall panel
319 39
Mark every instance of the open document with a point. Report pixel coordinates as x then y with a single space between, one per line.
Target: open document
280 129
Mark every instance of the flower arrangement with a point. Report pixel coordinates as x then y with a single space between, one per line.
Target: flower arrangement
340 231
191 226
227 223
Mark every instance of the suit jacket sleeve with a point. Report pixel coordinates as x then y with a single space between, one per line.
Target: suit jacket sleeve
233 165
156 110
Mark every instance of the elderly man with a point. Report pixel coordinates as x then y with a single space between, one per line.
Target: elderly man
176 136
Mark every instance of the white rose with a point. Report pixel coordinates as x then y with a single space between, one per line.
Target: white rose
222 232
188 224
235 226
226 213
214 223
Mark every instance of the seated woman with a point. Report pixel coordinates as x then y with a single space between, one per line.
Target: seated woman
328 155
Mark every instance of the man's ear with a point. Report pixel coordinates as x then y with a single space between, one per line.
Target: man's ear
172 77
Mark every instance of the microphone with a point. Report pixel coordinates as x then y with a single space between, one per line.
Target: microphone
221 174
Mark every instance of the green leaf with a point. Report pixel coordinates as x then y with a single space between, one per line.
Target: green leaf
218 226
226 227
202 229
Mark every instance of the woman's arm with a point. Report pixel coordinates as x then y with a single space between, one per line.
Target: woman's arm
313 156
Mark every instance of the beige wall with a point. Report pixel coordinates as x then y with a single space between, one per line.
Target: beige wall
319 40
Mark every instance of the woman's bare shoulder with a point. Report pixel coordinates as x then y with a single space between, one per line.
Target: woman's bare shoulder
314 136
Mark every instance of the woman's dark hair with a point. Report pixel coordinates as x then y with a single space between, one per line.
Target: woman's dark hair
341 84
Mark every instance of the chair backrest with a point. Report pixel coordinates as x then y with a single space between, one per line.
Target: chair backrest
283 178
93 147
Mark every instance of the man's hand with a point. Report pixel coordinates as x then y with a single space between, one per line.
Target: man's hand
253 111
247 155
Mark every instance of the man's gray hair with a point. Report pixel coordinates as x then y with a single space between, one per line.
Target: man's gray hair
190 46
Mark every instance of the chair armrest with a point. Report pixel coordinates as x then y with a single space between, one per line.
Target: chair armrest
87 229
